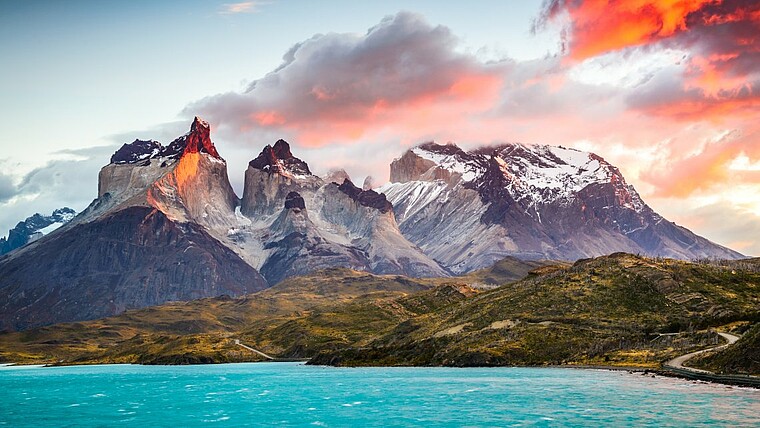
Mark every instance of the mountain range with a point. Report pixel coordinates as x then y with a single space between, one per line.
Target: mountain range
34 227
167 225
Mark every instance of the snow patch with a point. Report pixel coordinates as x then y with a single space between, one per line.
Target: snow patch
53 226
452 163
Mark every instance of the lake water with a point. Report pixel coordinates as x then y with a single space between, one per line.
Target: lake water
291 394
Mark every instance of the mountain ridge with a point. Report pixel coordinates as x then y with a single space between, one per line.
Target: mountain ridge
34 227
531 202
452 212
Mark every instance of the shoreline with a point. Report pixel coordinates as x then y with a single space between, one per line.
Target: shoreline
654 372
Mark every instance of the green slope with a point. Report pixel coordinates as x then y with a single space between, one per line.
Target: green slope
609 310
614 310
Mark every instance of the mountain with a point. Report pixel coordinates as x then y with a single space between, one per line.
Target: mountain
467 209
167 225
300 222
147 239
35 227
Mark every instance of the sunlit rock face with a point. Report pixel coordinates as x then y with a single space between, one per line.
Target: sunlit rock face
154 234
469 209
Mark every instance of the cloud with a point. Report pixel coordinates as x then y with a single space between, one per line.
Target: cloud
708 166
340 86
242 7
71 181
646 103
720 75
7 187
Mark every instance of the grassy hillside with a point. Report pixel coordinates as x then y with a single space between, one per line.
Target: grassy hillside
615 310
296 318
200 330
610 310
507 270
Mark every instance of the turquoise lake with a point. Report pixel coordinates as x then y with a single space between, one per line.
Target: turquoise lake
292 394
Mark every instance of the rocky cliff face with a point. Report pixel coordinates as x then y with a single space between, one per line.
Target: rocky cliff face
271 176
366 217
297 246
301 222
133 258
186 180
530 202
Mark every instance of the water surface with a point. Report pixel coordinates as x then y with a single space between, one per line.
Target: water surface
291 394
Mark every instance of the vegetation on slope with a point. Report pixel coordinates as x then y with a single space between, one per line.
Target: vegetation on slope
204 330
613 310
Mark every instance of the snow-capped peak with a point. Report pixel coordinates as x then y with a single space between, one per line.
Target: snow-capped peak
555 168
452 158
540 173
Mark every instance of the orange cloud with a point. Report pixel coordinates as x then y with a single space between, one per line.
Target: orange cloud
722 38
707 167
601 26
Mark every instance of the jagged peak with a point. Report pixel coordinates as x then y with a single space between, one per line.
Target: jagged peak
452 158
199 123
278 159
136 151
294 201
197 140
541 173
367 198
449 149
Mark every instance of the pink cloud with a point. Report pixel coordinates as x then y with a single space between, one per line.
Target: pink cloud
343 86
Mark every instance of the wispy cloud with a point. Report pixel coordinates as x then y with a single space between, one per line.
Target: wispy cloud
242 7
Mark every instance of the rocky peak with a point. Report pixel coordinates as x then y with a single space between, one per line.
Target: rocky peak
136 151
33 227
369 183
294 201
494 186
449 149
278 159
198 140
336 176
367 198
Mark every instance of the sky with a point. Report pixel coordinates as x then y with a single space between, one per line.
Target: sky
667 90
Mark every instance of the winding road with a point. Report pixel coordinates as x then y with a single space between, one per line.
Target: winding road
677 362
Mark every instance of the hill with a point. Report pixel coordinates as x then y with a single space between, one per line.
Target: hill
614 310
621 309
202 330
